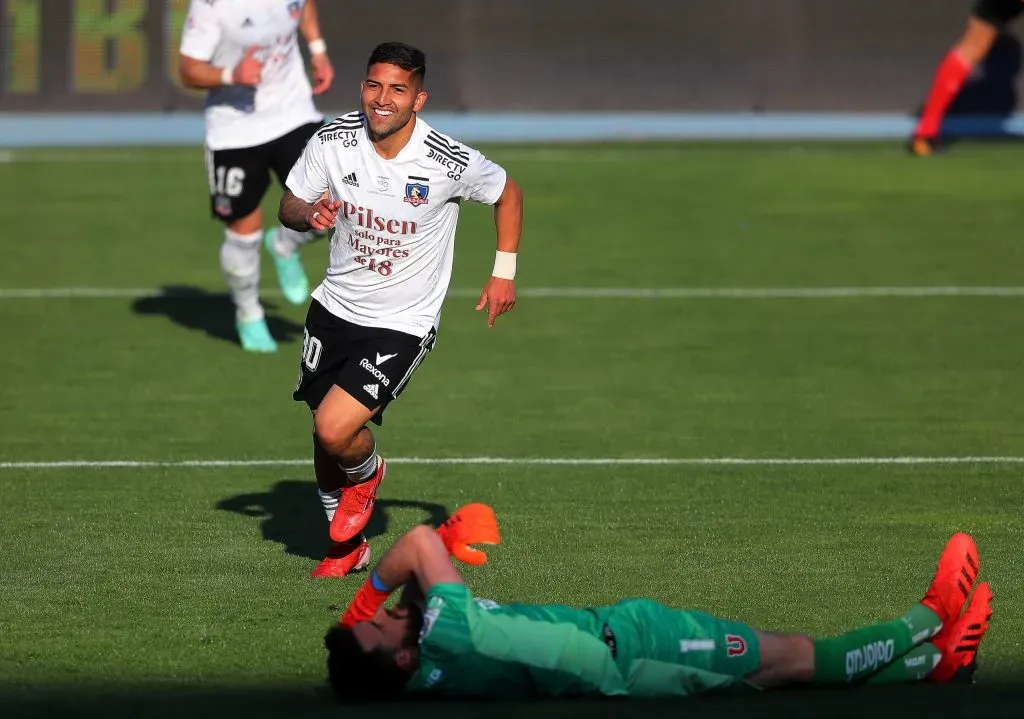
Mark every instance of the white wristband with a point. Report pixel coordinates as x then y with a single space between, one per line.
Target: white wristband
504 265
317 47
227 76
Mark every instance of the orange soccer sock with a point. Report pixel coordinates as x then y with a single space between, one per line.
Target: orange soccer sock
949 78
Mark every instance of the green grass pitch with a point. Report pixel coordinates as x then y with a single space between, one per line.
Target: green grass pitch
165 590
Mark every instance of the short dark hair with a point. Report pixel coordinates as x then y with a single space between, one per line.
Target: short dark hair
358 675
404 56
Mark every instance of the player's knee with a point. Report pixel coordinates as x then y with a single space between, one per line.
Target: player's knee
801 657
331 436
334 434
785 658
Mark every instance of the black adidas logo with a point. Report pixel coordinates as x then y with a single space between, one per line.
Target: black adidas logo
350 180
247 23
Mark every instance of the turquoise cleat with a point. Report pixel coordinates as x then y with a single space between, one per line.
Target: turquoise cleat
290 274
255 336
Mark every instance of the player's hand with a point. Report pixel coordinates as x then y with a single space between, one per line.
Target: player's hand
471 524
323 214
323 73
249 70
500 295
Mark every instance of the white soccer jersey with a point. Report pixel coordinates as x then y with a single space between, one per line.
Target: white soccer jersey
393 245
219 32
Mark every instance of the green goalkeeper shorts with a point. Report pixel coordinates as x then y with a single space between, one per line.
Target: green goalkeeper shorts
644 629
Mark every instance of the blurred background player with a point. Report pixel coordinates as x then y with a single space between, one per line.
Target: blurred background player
259 116
986 21
440 639
394 186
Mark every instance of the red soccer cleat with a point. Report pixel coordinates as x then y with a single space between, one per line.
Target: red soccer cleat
356 506
343 558
954 579
959 644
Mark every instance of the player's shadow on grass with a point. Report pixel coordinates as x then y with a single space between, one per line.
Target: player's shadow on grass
291 515
211 312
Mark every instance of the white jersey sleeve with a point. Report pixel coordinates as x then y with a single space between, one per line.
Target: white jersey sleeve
482 181
308 177
202 32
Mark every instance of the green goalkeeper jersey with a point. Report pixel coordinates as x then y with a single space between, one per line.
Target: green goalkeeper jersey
477 648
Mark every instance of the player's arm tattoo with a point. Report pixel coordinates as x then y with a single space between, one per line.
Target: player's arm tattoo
294 212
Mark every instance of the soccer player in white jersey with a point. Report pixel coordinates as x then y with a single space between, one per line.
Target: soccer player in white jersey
393 189
259 115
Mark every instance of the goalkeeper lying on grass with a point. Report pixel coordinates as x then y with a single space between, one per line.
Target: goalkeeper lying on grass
440 639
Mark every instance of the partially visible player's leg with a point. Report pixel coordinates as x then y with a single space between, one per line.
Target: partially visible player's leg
716 649
342 557
282 243
784 659
343 452
849 658
378 369
348 375
857 655
337 427
959 642
914 666
951 657
238 179
341 431
987 20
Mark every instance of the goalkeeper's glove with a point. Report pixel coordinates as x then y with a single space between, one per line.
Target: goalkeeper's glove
471 524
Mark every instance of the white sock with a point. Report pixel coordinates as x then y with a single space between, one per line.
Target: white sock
364 471
330 501
240 263
286 242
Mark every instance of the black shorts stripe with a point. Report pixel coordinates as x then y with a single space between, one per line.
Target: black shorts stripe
210 169
426 344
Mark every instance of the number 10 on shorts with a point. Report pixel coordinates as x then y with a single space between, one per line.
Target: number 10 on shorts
311 350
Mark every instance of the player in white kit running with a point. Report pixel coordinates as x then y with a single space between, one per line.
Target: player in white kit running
259 116
393 188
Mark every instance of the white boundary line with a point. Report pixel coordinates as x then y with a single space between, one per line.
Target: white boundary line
522 461
49 293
